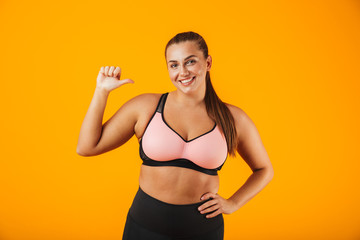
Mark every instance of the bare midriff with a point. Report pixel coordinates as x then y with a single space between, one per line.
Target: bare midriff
176 185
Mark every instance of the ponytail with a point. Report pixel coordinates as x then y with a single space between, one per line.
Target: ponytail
220 113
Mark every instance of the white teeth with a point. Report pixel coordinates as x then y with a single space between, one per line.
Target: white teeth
185 81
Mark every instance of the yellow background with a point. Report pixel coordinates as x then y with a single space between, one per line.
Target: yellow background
292 66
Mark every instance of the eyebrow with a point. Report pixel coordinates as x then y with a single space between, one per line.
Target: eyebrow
184 59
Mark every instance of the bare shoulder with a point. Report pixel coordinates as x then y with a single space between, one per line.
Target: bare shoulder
238 113
145 102
144 97
145 105
241 118
136 108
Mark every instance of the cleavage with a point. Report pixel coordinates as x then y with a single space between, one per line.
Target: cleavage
182 123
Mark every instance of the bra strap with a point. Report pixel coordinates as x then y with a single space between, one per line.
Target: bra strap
160 106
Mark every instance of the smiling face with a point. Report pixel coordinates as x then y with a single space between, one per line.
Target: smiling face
187 66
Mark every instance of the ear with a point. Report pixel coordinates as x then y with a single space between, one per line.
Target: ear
208 63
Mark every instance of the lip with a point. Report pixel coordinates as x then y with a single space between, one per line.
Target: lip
186 79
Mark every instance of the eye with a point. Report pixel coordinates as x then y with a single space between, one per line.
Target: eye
172 65
191 61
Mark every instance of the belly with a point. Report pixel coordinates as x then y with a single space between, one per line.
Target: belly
176 185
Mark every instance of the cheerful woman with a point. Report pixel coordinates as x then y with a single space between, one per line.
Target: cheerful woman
184 137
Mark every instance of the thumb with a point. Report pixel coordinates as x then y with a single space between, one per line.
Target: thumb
124 81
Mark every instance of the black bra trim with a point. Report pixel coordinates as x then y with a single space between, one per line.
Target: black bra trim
180 162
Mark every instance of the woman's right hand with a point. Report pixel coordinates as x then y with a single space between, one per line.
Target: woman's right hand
109 78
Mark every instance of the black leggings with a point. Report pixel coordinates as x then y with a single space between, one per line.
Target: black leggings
151 219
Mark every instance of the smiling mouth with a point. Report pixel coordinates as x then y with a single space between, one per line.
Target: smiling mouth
187 80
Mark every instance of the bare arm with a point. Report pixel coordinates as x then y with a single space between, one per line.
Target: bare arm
96 138
91 127
252 150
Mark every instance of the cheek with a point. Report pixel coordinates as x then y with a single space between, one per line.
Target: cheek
172 76
199 70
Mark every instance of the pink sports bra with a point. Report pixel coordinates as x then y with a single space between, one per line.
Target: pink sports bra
160 145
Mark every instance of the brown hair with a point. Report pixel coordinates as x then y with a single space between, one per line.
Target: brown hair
216 109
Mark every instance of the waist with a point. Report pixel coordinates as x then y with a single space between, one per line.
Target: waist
177 185
169 219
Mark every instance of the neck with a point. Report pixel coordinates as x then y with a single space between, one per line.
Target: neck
191 99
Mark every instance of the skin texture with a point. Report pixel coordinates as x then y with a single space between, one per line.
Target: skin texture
184 110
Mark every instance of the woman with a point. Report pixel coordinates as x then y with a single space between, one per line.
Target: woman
185 137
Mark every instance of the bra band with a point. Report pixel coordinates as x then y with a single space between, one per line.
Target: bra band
180 162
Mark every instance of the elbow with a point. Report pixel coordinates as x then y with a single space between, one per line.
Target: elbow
270 173
82 152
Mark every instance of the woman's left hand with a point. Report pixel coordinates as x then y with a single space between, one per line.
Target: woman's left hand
218 203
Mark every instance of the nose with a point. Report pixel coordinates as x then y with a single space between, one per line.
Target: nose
183 71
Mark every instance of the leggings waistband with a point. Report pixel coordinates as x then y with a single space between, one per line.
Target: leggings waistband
172 219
